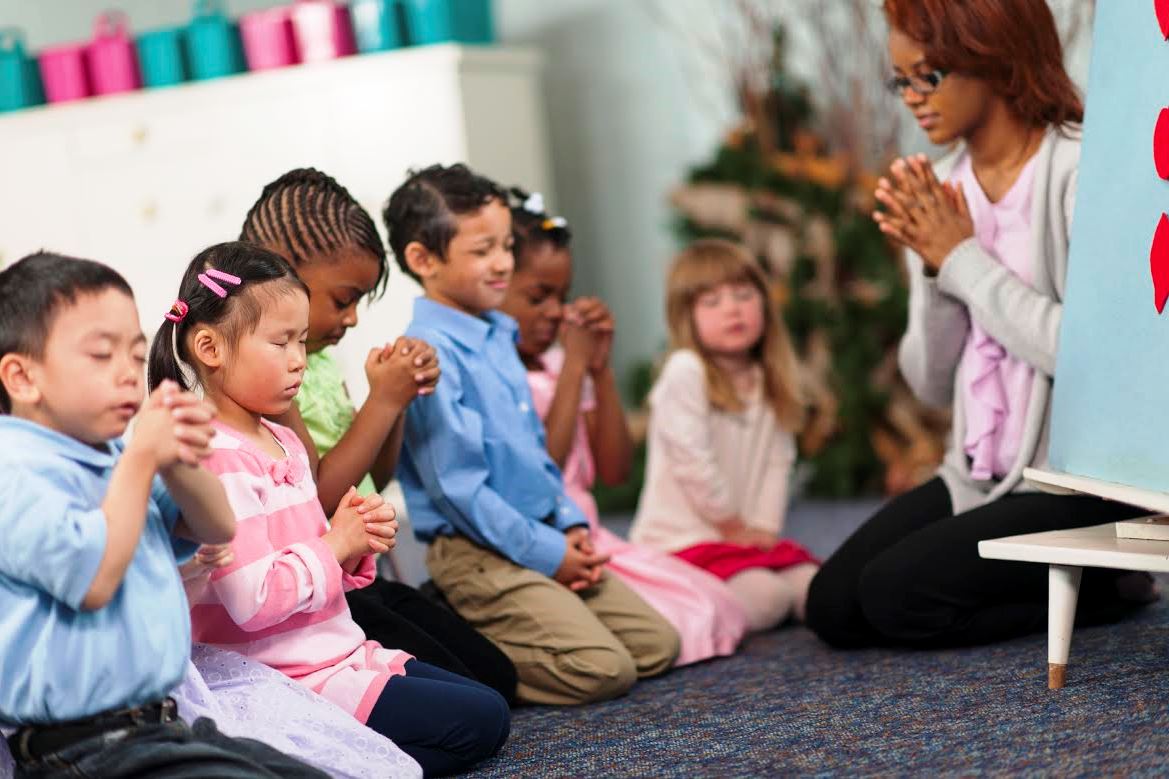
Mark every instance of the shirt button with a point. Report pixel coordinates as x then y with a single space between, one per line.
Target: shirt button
524 407
564 509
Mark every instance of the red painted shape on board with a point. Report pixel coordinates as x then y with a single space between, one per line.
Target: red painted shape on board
1162 8
1161 143
1159 263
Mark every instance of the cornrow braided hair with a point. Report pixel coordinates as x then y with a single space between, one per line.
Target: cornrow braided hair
306 214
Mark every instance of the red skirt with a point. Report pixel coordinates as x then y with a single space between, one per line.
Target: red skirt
726 560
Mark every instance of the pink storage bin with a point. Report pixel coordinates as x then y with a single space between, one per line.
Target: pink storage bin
323 29
268 39
64 73
112 56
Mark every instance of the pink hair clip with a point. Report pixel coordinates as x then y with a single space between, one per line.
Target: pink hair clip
178 311
206 280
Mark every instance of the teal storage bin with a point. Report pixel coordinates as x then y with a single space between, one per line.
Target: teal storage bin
472 21
439 21
160 57
213 46
20 79
379 25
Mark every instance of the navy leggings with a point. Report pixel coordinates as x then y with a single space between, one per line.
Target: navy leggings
446 722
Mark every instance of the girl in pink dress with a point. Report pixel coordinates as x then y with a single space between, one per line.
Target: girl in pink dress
576 396
238 330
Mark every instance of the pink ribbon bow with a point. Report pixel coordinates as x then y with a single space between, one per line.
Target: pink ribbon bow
290 470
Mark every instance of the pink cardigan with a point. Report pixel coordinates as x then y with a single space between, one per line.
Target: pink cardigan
282 600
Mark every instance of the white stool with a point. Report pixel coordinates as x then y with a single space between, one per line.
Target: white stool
1068 552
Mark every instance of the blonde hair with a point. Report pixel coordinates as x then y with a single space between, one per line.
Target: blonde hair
704 265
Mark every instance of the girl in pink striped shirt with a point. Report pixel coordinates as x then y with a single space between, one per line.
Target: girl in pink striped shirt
238 330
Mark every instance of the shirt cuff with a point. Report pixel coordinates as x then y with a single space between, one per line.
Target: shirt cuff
546 552
568 515
363 576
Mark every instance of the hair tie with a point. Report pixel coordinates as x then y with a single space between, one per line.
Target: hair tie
553 223
206 280
178 312
534 204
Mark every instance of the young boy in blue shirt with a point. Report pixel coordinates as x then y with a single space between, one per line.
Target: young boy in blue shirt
94 625
508 548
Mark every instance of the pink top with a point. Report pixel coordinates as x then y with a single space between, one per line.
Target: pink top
579 469
282 600
996 386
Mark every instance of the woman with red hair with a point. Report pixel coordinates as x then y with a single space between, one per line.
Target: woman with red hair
986 231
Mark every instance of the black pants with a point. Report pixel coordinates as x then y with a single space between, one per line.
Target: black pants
171 751
911 575
400 617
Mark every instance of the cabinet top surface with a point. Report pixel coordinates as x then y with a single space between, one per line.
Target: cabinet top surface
406 63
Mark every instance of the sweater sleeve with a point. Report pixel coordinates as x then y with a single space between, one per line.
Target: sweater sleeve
266 584
681 419
363 576
1024 320
931 348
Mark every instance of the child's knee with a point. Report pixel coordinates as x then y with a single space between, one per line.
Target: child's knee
486 724
598 673
657 653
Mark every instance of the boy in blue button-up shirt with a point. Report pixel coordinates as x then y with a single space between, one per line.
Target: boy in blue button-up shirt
508 548
94 625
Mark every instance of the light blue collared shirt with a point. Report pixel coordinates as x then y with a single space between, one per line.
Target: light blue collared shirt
473 458
58 662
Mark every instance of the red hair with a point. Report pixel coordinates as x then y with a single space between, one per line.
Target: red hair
1011 44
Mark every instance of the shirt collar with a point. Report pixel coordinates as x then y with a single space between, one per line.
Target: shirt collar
470 331
20 435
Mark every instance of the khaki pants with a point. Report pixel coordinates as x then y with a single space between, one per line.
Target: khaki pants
567 647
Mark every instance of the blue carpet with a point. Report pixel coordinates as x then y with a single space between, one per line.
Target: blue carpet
786 704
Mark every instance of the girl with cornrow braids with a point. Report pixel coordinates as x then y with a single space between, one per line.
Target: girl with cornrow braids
313 222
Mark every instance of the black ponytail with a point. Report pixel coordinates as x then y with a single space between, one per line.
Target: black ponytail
532 226
197 303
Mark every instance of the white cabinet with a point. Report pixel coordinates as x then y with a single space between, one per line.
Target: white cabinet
143 181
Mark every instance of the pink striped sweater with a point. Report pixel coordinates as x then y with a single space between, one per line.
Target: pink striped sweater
282 600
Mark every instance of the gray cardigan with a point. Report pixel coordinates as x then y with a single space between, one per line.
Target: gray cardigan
1024 319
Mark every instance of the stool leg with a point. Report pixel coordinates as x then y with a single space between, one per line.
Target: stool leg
1063 582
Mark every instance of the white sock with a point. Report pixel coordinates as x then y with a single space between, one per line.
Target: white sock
769 597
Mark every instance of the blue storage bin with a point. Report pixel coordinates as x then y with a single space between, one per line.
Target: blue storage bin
439 21
379 25
213 45
20 79
160 57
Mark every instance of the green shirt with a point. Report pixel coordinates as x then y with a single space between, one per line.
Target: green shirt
326 408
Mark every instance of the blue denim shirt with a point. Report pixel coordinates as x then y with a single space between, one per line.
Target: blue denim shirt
58 662
473 459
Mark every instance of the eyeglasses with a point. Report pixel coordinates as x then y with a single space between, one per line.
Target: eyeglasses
924 84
